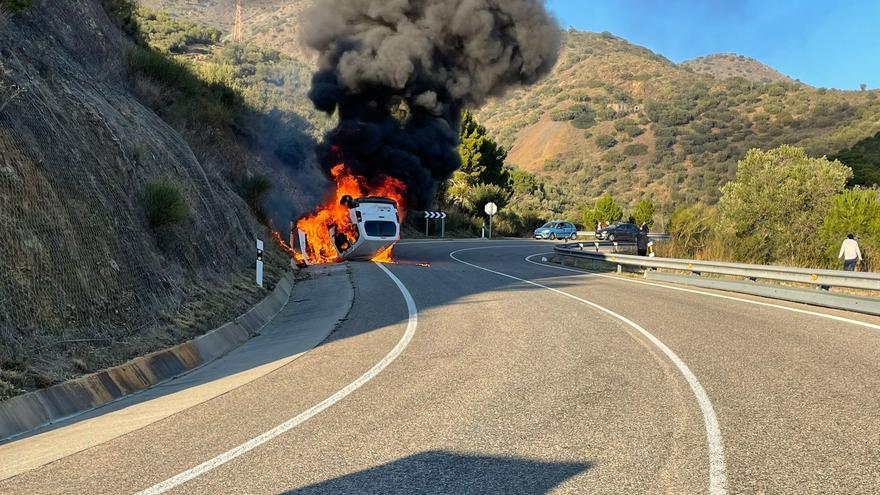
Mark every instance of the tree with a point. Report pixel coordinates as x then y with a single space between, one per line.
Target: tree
606 211
863 87
854 212
778 200
690 228
523 182
474 198
482 160
644 212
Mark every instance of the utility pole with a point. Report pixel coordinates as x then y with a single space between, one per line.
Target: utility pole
236 29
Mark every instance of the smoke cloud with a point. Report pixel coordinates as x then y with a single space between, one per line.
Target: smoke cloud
400 72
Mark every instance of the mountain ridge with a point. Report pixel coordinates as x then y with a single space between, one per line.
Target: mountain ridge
729 65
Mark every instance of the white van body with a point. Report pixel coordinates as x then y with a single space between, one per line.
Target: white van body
378 227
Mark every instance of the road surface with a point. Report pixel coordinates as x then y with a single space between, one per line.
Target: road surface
488 372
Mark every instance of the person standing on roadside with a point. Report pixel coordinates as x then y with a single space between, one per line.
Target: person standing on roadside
850 253
642 240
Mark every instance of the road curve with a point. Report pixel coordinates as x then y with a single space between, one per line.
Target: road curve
523 379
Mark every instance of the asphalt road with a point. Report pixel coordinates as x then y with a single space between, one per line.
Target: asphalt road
505 376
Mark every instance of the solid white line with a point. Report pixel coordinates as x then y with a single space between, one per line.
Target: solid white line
719 296
305 416
717 470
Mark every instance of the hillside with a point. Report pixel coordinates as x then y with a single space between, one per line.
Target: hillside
94 133
267 23
864 159
730 65
616 117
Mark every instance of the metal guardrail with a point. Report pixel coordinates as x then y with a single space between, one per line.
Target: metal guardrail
654 236
820 278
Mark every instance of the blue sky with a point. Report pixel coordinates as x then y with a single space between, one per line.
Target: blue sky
824 43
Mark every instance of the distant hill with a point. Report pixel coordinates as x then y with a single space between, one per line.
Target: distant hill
730 65
619 118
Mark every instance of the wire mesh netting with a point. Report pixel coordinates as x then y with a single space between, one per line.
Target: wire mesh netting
84 282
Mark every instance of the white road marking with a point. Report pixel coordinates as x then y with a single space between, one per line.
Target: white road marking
720 296
305 416
717 469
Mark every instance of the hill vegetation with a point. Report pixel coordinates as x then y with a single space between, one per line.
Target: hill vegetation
614 117
272 24
122 229
617 118
864 159
730 65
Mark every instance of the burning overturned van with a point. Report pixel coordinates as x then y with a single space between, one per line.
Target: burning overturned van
369 230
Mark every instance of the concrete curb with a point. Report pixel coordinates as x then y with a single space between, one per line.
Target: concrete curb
40 408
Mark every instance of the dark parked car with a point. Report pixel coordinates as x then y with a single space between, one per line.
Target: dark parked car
619 232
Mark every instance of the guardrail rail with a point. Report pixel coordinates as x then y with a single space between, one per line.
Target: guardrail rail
823 279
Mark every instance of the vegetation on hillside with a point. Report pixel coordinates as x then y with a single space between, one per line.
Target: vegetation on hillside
241 107
617 118
14 5
864 160
783 208
730 65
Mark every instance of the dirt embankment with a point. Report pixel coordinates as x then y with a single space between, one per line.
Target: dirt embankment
84 283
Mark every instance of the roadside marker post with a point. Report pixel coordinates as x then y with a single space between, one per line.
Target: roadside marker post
260 263
435 215
491 210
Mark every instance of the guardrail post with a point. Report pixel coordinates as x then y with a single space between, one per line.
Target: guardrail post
597 246
619 269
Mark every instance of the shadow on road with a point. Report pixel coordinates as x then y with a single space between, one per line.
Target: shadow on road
440 472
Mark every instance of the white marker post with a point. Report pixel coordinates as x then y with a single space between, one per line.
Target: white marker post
260 263
491 210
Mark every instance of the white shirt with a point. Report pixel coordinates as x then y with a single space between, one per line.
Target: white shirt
850 250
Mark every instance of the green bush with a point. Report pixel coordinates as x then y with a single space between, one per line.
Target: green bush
582 116
606 141
630 127
643 212
162 69
164 205
854 212
14 5
778 198
254 190
635 150
690 229
614 156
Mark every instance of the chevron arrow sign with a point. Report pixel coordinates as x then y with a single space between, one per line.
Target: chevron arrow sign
435 214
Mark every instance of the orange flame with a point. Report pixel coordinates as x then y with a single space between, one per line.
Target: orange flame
321 246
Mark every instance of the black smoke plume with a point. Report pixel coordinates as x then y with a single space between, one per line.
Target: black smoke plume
400 72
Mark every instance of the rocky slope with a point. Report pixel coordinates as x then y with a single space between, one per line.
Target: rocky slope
84 282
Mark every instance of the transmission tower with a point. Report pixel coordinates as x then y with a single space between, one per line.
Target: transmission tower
236 30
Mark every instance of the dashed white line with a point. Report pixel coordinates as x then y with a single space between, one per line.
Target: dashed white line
711 294
717 469
246 447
